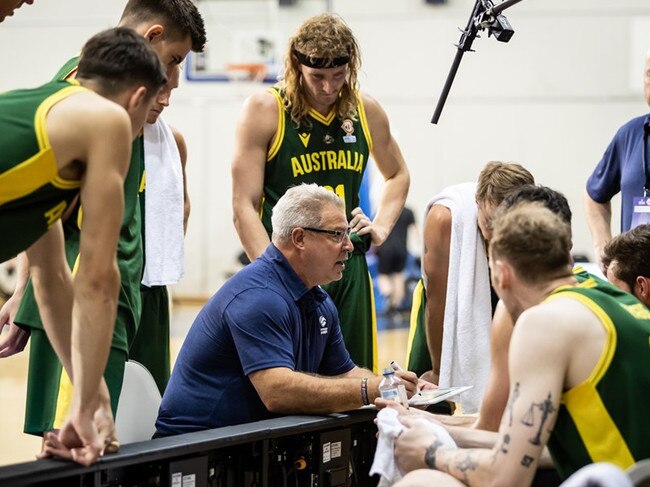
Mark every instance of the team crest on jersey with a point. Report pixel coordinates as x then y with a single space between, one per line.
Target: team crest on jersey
348 128
304 138
328 139
323 324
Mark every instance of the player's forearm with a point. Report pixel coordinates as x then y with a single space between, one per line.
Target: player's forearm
472 438
252 233
93 321
187 207
486 421
493 404
454 420
392 201
435 317
22 273
474 467
53 291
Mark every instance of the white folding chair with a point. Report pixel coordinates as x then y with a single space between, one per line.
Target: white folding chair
137 409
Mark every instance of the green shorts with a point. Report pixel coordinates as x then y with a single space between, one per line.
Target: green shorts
128 304
355 302
418 358
45 392
151 344
45 377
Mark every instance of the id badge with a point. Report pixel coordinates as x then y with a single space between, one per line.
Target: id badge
641 212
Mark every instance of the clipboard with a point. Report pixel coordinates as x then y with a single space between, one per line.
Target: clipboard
434 396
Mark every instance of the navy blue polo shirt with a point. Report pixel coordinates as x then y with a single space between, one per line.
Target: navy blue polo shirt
622 169
262 317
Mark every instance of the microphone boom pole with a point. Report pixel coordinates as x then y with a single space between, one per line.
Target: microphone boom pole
484 14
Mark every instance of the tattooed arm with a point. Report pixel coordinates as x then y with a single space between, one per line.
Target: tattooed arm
538 362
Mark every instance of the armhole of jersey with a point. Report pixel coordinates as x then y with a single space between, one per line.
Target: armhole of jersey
80 215
41 132
45 107
143 182
364 121
70 75
609 348
279 133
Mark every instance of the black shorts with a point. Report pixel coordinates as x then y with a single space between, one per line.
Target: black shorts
390 261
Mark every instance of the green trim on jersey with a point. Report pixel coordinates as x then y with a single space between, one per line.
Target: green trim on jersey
605 418
326 150
32 194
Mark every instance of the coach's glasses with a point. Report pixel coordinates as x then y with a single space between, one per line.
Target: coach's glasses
337 235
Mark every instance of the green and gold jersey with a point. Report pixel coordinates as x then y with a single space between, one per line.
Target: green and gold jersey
32 195
67 70
142 194
606 417
129 246
331 152
129 250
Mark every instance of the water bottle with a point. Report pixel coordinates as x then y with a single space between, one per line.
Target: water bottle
391 387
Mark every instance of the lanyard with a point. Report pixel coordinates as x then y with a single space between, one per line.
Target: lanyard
644 155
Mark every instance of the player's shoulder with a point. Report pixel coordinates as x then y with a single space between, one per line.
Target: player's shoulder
260 110
558 317
90 104
179 138
86 112
370 103
264 101
438 216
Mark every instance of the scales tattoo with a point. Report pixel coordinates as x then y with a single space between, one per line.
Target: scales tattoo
546 407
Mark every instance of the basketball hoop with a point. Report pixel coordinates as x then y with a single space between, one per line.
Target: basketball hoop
255 72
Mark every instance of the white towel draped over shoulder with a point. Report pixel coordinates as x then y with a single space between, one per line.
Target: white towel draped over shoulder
163 207
465 358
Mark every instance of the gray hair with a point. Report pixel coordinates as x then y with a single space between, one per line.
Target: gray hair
301 206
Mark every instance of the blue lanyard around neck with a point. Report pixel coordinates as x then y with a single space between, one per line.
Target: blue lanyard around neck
644 156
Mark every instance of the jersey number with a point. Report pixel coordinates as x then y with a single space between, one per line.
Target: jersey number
340 191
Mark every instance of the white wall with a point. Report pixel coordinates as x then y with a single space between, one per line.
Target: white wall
550 99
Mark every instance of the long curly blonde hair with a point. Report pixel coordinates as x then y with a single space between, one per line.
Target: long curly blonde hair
327 37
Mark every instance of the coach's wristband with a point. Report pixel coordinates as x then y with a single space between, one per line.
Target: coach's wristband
364 391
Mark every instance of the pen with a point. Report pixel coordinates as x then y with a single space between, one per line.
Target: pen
395 366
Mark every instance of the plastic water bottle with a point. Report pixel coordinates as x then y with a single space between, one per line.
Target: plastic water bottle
391 387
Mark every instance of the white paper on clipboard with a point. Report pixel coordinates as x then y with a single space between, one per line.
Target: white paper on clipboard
434 396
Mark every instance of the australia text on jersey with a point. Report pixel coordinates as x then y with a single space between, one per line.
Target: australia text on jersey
327 160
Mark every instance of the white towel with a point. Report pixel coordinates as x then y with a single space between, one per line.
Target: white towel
384 463
389 429
465 358
598 475
163 208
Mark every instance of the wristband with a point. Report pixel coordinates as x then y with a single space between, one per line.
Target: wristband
364 391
